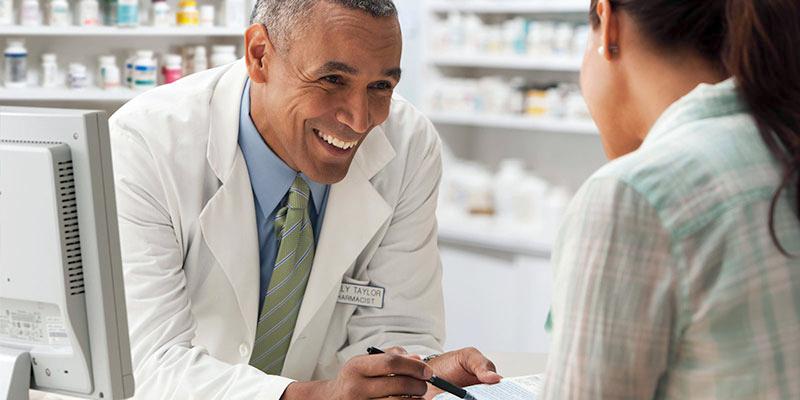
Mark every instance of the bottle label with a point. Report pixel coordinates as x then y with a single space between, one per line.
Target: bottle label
127 14
16 69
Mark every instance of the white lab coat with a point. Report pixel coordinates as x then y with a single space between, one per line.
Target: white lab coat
190 251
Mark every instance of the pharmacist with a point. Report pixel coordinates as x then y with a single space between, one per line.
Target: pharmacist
255 197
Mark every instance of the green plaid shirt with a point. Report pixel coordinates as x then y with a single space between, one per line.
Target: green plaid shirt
667 283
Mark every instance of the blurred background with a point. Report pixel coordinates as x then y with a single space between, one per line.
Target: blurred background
498 78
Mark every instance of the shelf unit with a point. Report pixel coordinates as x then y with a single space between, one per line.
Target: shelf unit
112 31
514 122
558 64
510 6
84 45
534 138
93 94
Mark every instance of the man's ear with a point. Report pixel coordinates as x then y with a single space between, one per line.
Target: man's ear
259 51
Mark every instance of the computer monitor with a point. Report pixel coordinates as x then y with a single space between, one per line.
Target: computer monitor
63 324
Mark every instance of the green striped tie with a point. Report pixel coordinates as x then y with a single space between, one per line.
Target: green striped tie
288 283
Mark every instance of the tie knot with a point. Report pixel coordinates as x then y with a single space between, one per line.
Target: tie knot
299 194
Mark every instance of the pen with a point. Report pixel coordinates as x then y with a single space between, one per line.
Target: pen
436 381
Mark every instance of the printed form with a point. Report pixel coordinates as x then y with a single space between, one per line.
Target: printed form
520 388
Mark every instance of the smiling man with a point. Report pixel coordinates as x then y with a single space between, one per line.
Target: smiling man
277 217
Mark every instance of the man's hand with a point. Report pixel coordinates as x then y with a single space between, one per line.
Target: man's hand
381 376
463 367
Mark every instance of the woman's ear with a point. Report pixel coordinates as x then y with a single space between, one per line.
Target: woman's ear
609 30
259 51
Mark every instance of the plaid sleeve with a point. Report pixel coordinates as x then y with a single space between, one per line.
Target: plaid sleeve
614 304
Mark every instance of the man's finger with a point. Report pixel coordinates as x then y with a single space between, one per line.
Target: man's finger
483 368
392 364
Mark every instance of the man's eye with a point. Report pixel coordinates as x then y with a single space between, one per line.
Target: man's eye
336 80
383 86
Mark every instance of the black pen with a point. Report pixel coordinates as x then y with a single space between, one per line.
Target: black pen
436 381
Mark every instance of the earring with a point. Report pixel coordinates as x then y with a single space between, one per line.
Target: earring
612 49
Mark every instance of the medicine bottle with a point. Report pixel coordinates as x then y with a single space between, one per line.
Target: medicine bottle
6 12
207 16
161 14
58 13
145 75
109 77
199 60
221 55
29 13
77 78
128 13
49 70
187 14
173 68
88 13
16 64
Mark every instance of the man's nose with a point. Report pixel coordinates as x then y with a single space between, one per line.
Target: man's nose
355 112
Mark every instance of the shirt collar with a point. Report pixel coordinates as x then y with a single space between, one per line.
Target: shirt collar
270 177
705 101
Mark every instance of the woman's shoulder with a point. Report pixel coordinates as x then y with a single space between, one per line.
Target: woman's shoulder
698 168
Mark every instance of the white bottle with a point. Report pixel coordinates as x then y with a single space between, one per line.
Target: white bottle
6 12
59 13
207 16
128 13
29 13
88 13
199 61
78 78
50 76
221 55
109 76
162 17
16 60
145 71
234 13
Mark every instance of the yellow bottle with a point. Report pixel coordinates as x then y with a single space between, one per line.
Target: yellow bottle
187 14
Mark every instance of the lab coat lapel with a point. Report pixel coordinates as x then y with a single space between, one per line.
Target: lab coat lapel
354 214
228 220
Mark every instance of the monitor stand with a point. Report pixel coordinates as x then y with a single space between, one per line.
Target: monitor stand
15 374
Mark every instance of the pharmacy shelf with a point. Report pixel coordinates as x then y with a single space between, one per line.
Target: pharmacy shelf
120 95
528 63
511 6
113 31
538 124
483 233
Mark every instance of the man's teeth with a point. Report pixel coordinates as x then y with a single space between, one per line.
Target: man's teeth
336 142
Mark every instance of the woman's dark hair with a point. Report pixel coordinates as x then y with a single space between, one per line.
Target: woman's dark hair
755 41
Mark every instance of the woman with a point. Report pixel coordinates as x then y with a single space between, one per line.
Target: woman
676 269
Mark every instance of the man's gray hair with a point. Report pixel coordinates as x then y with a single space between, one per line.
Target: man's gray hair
284 17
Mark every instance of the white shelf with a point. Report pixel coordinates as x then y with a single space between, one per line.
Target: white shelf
511 6
120 95
532 63
106 31
485 233
539 124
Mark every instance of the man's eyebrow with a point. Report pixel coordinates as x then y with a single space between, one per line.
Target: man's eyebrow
337 66
340 67
394 73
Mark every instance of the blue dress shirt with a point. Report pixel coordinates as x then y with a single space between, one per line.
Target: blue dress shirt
271 179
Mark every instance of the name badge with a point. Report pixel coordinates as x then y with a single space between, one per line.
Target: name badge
361 295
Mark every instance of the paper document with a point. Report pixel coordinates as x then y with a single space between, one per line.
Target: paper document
520 388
